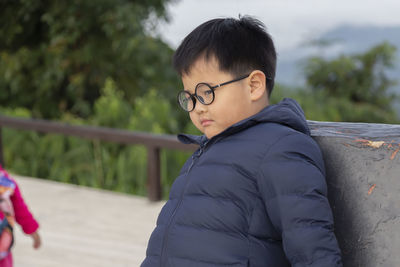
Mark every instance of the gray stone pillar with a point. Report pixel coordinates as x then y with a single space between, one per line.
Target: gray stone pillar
363 175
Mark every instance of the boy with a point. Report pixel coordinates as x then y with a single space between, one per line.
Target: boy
254 193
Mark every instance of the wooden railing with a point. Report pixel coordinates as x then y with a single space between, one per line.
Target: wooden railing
154 143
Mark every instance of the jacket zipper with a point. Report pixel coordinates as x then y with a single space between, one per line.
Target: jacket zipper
165 240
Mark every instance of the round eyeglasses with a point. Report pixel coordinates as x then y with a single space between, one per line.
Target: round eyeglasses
203 92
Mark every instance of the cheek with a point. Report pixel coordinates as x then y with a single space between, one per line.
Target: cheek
195 120
192 116
234 109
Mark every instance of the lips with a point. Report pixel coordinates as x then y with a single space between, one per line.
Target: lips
205 122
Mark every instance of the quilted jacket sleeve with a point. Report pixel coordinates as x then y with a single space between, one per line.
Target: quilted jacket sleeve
292 183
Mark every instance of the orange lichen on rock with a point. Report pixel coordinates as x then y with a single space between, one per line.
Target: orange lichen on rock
394 154
371 189
362 140
374 144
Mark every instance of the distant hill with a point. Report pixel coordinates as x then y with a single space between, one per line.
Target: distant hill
347 39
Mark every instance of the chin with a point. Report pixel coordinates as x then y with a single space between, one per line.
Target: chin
210 135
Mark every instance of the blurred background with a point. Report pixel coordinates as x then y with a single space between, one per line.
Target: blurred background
108 63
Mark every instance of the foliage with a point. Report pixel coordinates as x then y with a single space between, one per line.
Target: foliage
351 88
56 55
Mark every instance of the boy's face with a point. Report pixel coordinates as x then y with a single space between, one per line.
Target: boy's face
232 102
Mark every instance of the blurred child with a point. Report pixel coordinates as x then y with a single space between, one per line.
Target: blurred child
13 208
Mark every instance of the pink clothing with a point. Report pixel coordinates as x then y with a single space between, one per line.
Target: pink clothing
18 210
7 261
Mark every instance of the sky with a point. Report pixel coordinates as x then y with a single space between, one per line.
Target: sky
290 22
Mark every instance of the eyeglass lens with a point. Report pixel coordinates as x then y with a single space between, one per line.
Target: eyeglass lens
186 101
204 93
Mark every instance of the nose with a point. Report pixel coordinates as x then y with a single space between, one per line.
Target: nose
199 107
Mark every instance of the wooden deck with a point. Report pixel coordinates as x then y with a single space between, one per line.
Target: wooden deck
84 227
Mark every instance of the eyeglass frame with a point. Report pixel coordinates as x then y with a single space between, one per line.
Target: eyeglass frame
194 96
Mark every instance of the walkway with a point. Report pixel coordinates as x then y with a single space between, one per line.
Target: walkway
84 227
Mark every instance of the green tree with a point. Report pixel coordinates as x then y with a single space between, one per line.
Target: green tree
351 87
56 55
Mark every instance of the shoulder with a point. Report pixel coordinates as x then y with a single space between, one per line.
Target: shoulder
297 144
293 163
273 137
280 138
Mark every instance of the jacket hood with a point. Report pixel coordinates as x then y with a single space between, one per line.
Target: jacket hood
287 112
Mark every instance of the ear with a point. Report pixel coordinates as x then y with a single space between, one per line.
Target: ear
257 84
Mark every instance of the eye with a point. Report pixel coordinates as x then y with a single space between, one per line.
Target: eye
208 92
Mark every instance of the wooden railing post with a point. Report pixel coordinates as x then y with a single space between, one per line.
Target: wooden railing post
1 150
153 173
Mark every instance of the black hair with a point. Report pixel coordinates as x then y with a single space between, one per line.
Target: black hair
239 46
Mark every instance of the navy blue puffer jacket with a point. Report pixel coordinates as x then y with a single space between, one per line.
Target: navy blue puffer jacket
253 195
